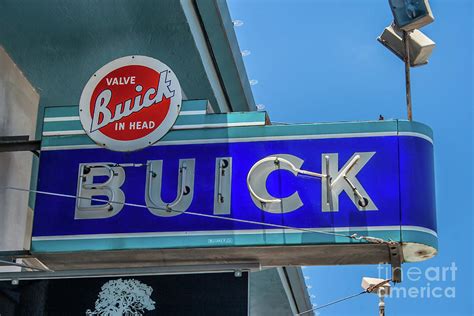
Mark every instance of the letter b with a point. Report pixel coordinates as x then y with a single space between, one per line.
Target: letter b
87 190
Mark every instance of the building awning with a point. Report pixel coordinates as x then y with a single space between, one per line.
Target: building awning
59 46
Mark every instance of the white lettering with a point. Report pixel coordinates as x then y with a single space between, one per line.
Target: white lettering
164 87
89 188
141 125
102 116
256 182
120 81
344 180
257 179
101 108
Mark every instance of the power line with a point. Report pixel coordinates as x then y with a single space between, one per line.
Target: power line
181 212
353 236
368 290
307 230
332 303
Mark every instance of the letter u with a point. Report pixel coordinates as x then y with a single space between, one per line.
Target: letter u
185 190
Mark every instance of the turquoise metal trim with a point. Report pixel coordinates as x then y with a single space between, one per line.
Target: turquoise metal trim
62 126
415 127
61 111
211 241
73 110
234 117
284 130
195 105
249 132
206 119
73 140
419 237
389 126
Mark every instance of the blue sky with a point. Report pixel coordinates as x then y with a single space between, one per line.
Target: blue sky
319 61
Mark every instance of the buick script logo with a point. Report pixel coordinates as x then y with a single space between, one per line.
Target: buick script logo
130 103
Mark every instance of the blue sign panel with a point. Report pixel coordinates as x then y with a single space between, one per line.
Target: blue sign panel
231 186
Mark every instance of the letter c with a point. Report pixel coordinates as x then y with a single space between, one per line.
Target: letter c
257 183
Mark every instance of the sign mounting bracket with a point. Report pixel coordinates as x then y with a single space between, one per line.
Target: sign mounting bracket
396 259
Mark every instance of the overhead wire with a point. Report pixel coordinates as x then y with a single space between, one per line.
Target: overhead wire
331 303
353 236
370 289
307 230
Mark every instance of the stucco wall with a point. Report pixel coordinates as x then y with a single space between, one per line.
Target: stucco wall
18 112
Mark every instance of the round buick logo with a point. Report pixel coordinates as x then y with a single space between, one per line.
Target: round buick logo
130 103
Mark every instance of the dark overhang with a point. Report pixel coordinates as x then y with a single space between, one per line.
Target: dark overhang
59 45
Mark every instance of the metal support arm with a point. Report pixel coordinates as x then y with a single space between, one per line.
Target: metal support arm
19 143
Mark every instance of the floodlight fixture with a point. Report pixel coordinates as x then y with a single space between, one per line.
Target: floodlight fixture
405 41
383 289
411 14
421 46
380 287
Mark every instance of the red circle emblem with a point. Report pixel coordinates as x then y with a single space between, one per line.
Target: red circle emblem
127 84
130 103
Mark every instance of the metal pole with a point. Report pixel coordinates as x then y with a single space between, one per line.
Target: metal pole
381 295
381 310
406 37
